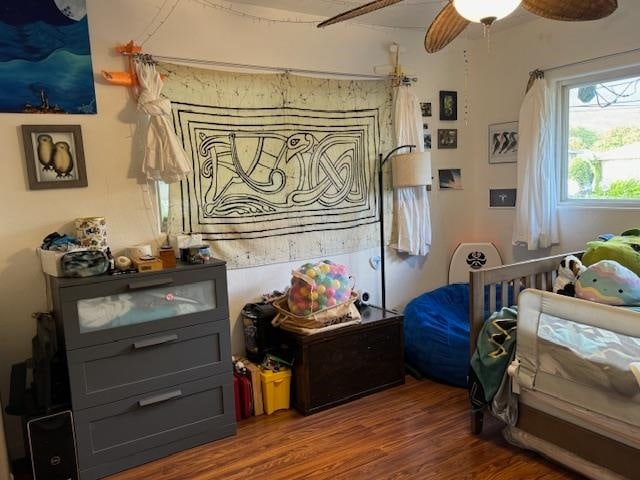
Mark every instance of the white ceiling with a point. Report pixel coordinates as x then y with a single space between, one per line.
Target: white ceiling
409 13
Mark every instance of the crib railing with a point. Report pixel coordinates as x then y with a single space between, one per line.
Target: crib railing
539 273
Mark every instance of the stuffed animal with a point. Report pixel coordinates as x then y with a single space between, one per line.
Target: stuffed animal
610 283
570 269
624 249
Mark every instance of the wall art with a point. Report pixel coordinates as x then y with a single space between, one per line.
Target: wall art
426 139
426 136
503 142
425 108
502 197
45 57
282 169
55 156
448 105
448 138
450 179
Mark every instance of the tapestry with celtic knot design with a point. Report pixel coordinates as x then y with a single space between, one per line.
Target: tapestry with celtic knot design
284 166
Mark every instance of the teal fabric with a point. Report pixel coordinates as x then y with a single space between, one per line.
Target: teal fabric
496 343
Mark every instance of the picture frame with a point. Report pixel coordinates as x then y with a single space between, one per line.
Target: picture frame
425 108
450 179
447 138
503 142
502 197
426 139
426 136
448 105
54 156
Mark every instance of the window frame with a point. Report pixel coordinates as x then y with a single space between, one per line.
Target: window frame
562 136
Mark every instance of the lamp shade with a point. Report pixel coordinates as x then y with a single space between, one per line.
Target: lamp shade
485 11
411 169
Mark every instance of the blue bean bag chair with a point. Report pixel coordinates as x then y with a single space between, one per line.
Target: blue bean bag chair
436 332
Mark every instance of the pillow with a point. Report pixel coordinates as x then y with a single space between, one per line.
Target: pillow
610 283
624 249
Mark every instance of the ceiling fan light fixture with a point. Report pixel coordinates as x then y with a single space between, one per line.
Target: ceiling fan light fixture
486 11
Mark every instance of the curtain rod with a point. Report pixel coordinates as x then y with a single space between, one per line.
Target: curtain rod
264 67
589 60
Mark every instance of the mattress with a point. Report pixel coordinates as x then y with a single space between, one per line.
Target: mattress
583 354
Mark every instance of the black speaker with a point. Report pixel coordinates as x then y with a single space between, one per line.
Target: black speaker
52 445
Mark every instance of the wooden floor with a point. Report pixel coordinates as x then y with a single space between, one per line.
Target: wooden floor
415 431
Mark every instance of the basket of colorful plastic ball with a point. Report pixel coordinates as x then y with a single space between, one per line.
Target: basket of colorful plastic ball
320 295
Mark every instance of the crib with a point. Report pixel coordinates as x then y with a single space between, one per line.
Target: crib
599 440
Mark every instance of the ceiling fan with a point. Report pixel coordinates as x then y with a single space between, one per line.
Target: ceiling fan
457 14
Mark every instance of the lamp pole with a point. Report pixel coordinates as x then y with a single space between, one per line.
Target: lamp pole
381 213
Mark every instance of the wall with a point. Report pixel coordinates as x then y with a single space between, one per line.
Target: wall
194 31
499 76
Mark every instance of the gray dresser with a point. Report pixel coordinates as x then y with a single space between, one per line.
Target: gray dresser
149 363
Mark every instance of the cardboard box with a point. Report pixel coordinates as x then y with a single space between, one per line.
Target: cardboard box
151 265
256 387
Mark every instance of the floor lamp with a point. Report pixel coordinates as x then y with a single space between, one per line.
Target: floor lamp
409 170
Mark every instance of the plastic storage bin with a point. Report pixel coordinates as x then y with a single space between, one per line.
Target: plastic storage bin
275 390
50 260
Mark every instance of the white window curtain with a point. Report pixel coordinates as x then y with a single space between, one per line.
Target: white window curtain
536 223
412 216
164 158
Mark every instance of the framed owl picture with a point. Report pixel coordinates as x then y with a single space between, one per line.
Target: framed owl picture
55 156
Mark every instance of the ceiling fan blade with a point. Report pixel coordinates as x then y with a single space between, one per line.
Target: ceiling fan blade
356 12
571 10
446 27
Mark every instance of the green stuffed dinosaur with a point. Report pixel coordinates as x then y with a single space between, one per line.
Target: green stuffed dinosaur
624 249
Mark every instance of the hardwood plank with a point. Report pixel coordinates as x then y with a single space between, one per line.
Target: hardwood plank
414 431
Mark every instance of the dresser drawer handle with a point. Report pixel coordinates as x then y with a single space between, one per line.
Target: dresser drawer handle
163 397
152 342
158 282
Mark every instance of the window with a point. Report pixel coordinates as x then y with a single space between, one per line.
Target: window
600 144
162 190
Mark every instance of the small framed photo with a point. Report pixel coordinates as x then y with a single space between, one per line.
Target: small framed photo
450 179
502 197
425 108
55 156
426 136
448 105
448 138
503 142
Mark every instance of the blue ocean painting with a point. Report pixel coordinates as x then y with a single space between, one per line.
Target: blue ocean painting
45 57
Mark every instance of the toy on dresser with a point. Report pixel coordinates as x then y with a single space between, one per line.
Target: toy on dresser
568 272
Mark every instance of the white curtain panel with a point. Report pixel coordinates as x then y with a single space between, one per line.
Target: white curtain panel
164 158
536 223
412 215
